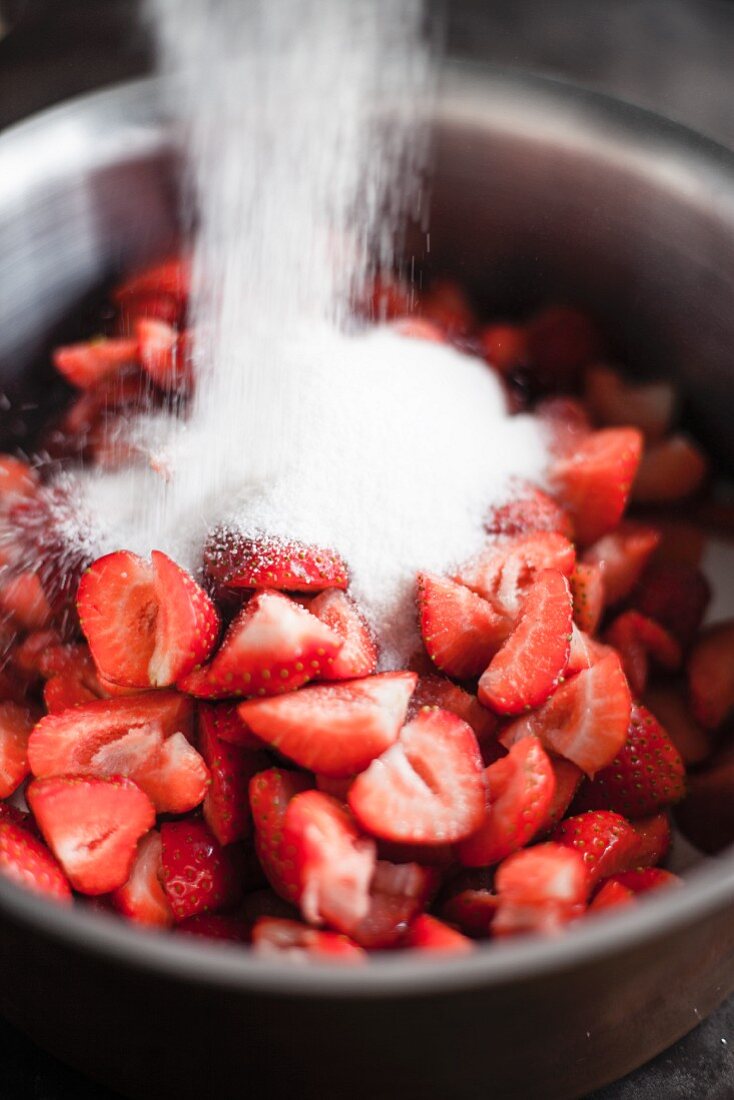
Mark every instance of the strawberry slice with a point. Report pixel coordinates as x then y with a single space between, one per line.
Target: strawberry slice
270 793
23 599
669 704
142 898
334 863
273 936
92 826
530 510
427 933
594 482
437 691
18 480
504 346
655 837
586 720
428 788
637 639
398 893
334 729
587 590
614 401
226 805
86 365
151 304
565 422
608 843
28 863
611 896
567 781
622 556
215 926
235 560
540 889
419 328
585 652
187 623
642 879
164 354
645 775
228 726
711 675
470 903
676 595
65 691
530 664
460 630
170 276
504 571
16 723
670 470
271 647
521 787
199 875
358 654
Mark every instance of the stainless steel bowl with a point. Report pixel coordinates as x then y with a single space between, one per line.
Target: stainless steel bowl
540 192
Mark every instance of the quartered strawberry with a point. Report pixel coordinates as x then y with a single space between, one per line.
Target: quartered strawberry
228 725
398 893
427 933
427 788
668 702
23 599
670 470
654 836
612 895
231 767
86 365
272 646
199 875
92 826
438 691
358 654
272 936
711 675
585 652
615 401
270 793
587 590
334 862
622 556
164 353
171 276
17 480
561 342
521 787
235 560
460 630
142 898
586 719
215 926
605 840
567 781
530 664
28 863
638 639
643 879
471 904
540 889
65 691
676 596
504 346
530 510
506 568
594 482
153 305
565 422
16 723
334 729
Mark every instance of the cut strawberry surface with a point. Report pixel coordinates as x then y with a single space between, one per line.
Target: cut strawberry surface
142 898
711 675
428 788
611 895
607 842
270 793
586 720
587 590
235 560
187 623
437 691
530 664
676 595
594 482
150 304
504 571
529 511
228 726
226 805
199 875
398 893
585 652
358 654
16 723
273 646
521 788
471 906
427 933
62 692
460 630
567 781
171 276
655 837
163 353
622 556
643 879
29 863
638 639
92 826
272 936
86 365
539 890
334 729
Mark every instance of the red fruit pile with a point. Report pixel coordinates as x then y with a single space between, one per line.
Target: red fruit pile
262 782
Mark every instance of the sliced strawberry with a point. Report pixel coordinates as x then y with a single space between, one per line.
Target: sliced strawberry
611 896
615 402
358 654
521 788
86 365
272 646
669 704
16 723
65 691
334 862
676 596
226 805
187 623
164 354
504 346
607 842
529 511
238 561
41 653
446 304
199 875
151 304
22 598
585 652
17 480
142 898
398 893
586 720
419 328
291 939
270 793
540 889
334 729
654 835
92 826
622 556
566 424
171 276
594 482
568 780
228 725
428 788
28 863
670 470
587 589
215 926
460 630
637 639
561 342
642 879
504 571
711 675
530 664
427 933
437 691
471 904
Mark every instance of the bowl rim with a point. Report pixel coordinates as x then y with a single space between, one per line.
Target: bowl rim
398 975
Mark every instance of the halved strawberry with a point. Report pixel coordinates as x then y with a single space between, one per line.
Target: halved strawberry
669 704
611 895
199 875
16 723
642 879
565 422
358 654
585 652
86 365
637 639
164 353
398 893
92 826
607 842
17 480
655 837
228 725
460 630
586 720
149 304
504 346
428 788
31 656
587 589
334 729
561 342
215 926
670 470
676 595
594 482
334 862
171 276
65 691
711 675
530 664
504 571
615 401
622 556
521 787
470 903
568 780
23 599
427 933
142 898
28 863
291 939
236 560
438 691
272 646
529 511
270 793
226 804
539 889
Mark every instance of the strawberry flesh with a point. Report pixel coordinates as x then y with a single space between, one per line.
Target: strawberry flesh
427 933
142 898
460 630
594 482
199 875
270 793
16 723
358 654
231 767
540 889
28 863
234 560
273 936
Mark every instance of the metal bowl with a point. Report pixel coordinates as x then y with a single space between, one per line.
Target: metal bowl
540 192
